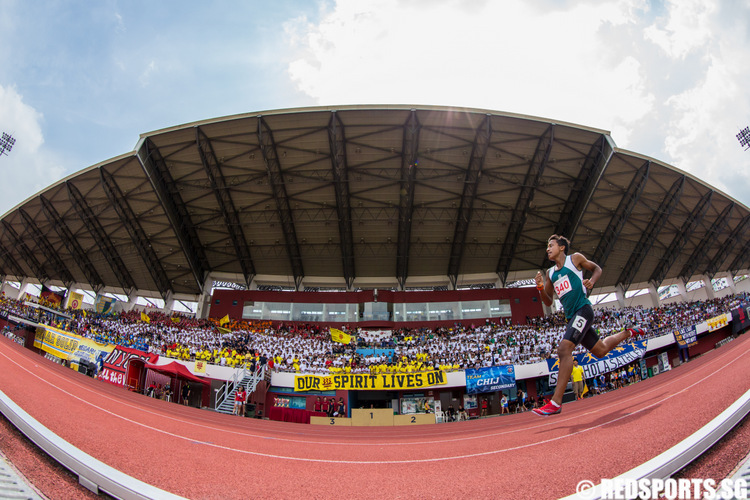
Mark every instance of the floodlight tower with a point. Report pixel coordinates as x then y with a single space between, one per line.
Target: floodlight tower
6 144
744 138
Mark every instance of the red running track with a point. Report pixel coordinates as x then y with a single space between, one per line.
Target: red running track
201 454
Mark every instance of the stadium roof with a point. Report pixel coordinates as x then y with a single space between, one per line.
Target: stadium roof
363 196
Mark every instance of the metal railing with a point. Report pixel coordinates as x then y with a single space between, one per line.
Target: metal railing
237 378
228 388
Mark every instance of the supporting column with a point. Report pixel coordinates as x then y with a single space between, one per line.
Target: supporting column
499 283
169 303
682 289
730 281
66 299
132 301
620 295
24 285
709 287
204 299
653 292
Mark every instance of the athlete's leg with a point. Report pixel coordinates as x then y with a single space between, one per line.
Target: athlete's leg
565 355
602 347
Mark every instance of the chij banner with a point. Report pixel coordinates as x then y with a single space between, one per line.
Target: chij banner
490 379
618 357
366 382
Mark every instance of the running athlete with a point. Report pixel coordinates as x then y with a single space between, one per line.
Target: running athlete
565 279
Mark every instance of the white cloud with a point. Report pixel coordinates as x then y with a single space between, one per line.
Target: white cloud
145 77
667 79
705 117
501 55
28 167
687 27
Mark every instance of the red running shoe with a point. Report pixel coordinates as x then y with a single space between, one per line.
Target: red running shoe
549 409
636 332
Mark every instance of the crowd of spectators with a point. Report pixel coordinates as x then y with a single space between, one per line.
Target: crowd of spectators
308 348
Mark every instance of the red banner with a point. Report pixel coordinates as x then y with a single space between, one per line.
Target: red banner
52 298
115 365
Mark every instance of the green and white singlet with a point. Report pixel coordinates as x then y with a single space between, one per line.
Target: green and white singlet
568 285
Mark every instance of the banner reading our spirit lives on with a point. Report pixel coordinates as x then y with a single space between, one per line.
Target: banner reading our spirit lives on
366 382
592 366
490 379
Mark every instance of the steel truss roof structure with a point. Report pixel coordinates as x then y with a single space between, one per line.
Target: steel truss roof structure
369 196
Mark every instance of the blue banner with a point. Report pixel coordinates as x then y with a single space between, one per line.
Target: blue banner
365 351
490 379
686 337
618 357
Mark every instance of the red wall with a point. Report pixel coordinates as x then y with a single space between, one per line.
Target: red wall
522 301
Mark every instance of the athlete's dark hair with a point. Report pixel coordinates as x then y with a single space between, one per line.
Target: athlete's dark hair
561 241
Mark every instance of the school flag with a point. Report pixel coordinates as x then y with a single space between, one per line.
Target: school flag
145 318
54 299
75 300
223 321
618 357
340 337
175 319
200 366
105 305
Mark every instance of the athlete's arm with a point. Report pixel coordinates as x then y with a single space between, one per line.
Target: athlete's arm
582 262
545 292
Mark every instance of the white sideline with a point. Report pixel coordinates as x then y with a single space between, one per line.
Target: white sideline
677 457
92 473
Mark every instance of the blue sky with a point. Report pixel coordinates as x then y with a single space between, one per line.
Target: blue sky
79 81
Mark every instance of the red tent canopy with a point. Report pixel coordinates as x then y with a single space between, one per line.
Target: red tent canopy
175 369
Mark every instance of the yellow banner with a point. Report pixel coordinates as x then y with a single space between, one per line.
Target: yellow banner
223 321
75 300
68 345
145 318
366 382
55 341
90 350
200 366
718 322
340 337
